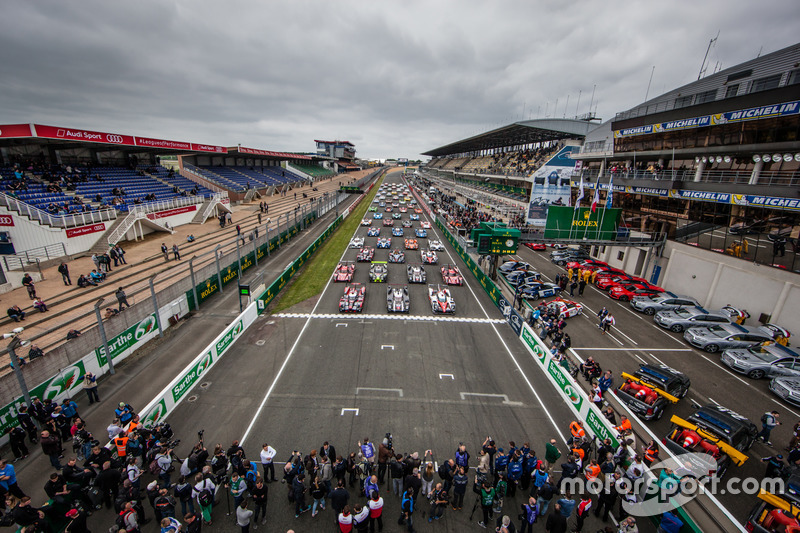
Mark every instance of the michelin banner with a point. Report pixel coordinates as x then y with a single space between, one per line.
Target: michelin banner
551 185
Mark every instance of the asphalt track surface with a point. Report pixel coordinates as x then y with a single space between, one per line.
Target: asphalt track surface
637 339
310 374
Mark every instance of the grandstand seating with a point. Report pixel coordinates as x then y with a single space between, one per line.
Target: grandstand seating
239 177
176 180
314 171
455 163
36 195
135 184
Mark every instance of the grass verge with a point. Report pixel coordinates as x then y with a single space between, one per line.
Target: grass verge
315 274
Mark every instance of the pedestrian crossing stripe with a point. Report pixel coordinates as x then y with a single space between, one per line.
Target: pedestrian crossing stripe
420 318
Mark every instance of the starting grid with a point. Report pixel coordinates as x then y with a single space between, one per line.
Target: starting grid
416 318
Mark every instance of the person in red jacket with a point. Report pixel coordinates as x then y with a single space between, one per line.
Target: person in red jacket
375 505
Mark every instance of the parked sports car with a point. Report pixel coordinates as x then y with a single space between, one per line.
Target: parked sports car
378 272
415 216
406 223
366 254
588 264
384 242
605 283
441 299
397 216
428 257
421 233
416 274
436 246
538 246
357 242
451 275
388 222
377 216
425 224
564 308
511 266
373 232
397 300
353 299
533 290
626 292
344 271
366 222
397 256
411 244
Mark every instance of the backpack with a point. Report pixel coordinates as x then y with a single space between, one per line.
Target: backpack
120 521
154 468
443 471
205 497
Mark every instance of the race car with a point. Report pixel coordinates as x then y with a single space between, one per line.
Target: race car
436 246
533 290
353 299
403 209
414 216
377 216
564 308
605 283
378 272
451 275
373 232
441 299
372 208
397 216
626 292
397 232
416 274
411 244
382 204
421 233
366 254
428 257
357 242
344 271
397 300
366 222
388 222
388 209
384 242
406 223
418 211
397 256
538 246
425 224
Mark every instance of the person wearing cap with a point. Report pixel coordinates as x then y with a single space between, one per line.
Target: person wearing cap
124 413
90 386
77 521
438 498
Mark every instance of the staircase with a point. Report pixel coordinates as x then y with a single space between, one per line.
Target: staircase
208 207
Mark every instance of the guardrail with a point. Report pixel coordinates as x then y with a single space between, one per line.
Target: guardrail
20 260
57 221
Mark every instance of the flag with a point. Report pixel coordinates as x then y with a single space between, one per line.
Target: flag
596 198
580 195
610 192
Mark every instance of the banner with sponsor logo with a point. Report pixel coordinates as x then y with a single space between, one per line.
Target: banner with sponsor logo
85 230
128 339
551 185
74 134
15 130
569 223
6 220
172 212
568 389
754 113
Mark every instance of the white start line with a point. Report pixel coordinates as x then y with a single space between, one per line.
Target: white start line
422 318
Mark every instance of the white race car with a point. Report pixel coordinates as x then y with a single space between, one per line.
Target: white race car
357 242
436 246
428 257
441 299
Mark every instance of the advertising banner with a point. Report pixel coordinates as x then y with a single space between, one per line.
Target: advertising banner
551 185
15 130
85 230
127 339
568 389
54 132
6 220
172 212
569 223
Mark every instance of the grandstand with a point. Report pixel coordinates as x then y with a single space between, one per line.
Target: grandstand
241 178
315 171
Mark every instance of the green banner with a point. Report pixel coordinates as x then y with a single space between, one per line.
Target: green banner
154 417
191 377
564 384
126 339
229 337
569 223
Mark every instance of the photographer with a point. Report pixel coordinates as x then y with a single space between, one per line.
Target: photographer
164 461
384 454
487 495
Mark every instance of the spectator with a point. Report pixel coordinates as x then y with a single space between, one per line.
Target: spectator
63 269
39 305
15 313
27 282
122 299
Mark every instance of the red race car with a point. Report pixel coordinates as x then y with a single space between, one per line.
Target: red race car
451 275
344 271
628 291
353 299
606 282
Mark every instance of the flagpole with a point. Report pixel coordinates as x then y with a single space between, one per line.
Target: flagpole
603 216
586 227
576 207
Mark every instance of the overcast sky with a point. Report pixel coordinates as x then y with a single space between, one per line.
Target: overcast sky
394 78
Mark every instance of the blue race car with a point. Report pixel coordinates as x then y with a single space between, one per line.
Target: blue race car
533 290
374 232
377 216
397 232
413 216
384 242
421 233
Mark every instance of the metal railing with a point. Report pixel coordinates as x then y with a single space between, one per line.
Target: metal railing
20 260
778 178
57 221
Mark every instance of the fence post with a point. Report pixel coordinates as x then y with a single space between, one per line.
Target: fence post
267 228
155 304
216 261
102 328
194 284
239 257
255 248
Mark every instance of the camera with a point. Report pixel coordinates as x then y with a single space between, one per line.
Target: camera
200 435
389 443
172 444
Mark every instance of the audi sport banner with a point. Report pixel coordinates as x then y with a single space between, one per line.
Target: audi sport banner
53 132
15 130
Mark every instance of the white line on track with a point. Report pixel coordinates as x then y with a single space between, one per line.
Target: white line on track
508 350
289 356
634 349
657 359
416 318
